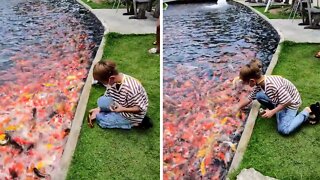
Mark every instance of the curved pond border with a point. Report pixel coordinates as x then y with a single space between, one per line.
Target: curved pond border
246 135
61 172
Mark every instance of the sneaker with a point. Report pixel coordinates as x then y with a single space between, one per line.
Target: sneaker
146 123
153 50
314 115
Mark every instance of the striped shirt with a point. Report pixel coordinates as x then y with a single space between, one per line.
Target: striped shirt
128 94
280 91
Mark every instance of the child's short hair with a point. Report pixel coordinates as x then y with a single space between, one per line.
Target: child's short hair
104 69
253 70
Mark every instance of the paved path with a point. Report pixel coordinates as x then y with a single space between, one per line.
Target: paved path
116 22
292 32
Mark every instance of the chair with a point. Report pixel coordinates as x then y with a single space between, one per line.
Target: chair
315 18
135 5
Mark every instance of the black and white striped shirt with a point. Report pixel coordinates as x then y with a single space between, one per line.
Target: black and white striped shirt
128 94
280 91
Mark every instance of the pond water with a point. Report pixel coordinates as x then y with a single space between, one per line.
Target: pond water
204 47
46 50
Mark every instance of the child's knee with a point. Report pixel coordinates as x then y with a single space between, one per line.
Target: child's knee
104 102
260 95
284 131
104 99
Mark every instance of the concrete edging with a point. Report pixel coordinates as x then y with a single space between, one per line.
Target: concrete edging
70 146
246 135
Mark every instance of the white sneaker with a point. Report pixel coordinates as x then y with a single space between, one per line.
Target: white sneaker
153 50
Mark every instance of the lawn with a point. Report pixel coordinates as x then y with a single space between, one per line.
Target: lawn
276 12
123 154
295 156
103 5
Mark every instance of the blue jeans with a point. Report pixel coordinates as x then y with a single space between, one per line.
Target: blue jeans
108 119
287 119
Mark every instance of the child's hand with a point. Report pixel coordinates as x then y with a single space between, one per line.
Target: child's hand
92 116
235 82
235 109
117 108
94 112
268 113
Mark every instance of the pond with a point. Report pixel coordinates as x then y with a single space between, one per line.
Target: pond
204 46
46 50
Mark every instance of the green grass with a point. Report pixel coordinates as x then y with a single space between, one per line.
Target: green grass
103 5
295 156
123 154
280 15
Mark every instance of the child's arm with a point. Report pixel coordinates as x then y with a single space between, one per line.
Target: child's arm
245 101
284 101
119 108
242 103
270 113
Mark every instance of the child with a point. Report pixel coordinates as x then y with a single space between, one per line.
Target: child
317 55
277 94
125 101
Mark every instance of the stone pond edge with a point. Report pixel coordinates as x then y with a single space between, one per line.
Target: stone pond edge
245 137
70 146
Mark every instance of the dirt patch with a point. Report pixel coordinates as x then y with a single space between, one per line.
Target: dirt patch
276 11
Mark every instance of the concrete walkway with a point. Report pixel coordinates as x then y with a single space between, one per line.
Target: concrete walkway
116 22
292 32
289 29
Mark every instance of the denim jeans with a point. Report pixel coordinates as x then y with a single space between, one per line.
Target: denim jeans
108 119
287 119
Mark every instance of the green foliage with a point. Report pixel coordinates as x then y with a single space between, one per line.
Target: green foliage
282 14
103 5
121 154
295 156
